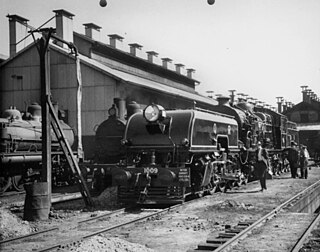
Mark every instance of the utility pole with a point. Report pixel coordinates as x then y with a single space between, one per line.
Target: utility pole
45 114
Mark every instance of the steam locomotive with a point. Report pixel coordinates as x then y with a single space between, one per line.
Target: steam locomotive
20 149
170 155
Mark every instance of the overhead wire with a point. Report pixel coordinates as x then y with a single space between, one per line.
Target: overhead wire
32 28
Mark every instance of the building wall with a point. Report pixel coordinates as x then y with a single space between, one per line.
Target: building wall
19 80
311 139
305 116
307 113
20 85
98 91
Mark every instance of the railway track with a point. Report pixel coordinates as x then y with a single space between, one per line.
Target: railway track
232 235
63 237
57 236
310 240
111 221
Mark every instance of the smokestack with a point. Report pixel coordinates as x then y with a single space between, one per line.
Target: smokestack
232 95
179 67
64 26
312 95
223 100
308 95
121 105
279 102
151 55
304 93
17 31
113 40
165 62
190 72
92 31
210 93
134 47
284 106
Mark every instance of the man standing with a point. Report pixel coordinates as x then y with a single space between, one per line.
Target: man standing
304 157
262 165
293 158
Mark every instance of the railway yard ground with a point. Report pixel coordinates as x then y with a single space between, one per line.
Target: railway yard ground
182 228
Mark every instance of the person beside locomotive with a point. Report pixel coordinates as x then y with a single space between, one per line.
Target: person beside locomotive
293 158
304 157
262 165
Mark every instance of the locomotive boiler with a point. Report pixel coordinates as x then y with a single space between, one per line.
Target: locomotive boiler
258 123
21 146
250 126
109 133
173 154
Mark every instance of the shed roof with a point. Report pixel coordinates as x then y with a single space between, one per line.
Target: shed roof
130 78
142 82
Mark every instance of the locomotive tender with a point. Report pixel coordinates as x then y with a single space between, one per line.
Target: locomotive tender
170 155
21 149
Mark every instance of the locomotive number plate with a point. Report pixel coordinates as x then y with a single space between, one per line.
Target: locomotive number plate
151 170
184 175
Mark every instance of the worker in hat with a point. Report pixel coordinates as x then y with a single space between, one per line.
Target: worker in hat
293 158
261 165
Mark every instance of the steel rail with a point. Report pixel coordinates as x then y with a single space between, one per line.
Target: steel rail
28 235
102 216
72 241
168 209
306 234
34 234
91 219
263 218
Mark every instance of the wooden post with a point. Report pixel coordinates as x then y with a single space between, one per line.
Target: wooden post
47 108
45 92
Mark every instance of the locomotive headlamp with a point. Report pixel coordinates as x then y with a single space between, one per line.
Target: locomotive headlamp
153 113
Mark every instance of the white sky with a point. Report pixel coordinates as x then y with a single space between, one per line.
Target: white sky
264 48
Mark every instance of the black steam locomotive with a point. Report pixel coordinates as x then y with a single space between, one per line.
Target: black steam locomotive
169 155
21 149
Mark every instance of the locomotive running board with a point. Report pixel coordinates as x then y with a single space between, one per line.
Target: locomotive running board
69 155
